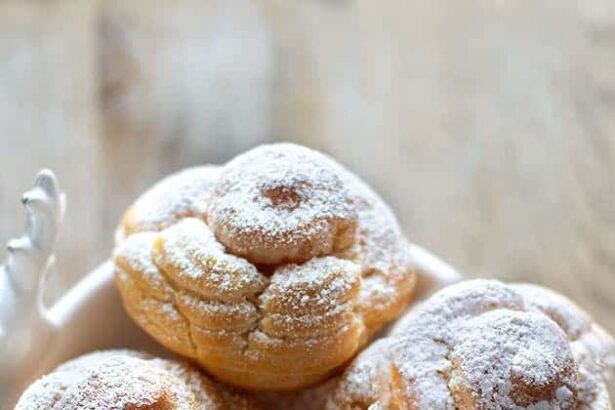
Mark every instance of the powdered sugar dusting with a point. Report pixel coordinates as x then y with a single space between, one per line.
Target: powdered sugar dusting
312 299
483 344
120 380
595 353
212 314
185 193
423 361
280 250
194 260
511 359
561 310
382 252
134 255
366 382
281 203
379 236
321 283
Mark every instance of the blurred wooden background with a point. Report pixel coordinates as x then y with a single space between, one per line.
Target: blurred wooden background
488 125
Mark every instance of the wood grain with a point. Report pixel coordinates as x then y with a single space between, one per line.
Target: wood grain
488 125
48 118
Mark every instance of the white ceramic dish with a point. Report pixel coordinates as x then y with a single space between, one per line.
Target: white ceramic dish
35 339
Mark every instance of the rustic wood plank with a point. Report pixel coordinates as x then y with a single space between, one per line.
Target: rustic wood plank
48 118
489 126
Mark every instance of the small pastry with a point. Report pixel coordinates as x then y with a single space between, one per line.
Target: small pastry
128 380
482 344
271 271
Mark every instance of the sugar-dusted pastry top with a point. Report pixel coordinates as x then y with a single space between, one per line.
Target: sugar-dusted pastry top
128 380
271 271
482 344
282 204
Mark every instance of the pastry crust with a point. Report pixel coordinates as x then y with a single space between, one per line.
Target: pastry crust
482 344
271 271
282 205
129 380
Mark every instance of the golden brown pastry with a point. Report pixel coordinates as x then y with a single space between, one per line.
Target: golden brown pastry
271 271
482 344
128 380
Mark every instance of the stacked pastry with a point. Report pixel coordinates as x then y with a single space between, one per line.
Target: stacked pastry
273 271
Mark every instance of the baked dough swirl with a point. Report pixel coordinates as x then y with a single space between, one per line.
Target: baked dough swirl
482 344
271 271
129 380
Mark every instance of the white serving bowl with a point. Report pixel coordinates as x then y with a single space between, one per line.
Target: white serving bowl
90 316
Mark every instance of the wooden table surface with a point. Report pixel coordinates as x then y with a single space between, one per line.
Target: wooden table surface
489 126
